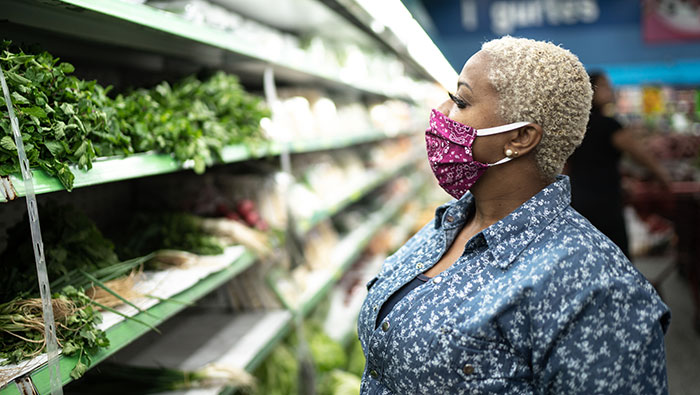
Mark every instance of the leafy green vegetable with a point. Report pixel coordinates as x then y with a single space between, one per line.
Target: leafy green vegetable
22 328
192 119
54 108
71 242
338 382
177 231
279 374
65 120
356 358
326 352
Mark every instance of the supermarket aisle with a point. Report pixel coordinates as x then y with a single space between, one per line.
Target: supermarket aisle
682 342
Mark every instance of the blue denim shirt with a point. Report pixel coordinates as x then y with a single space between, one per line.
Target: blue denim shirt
540 302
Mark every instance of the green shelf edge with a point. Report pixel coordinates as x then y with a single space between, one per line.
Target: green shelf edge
149 164
127 331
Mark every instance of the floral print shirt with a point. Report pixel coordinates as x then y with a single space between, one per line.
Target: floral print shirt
540 302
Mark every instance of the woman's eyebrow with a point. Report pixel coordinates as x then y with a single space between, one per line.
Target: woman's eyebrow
463 83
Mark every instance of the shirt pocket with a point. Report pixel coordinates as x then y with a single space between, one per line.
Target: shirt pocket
462 364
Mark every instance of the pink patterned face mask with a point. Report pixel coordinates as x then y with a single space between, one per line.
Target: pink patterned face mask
449 145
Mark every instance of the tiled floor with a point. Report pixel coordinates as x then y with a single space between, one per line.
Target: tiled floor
682 341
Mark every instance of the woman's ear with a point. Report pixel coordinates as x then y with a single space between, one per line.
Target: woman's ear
524 140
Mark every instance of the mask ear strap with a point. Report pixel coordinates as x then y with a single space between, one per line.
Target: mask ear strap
502 161
501 129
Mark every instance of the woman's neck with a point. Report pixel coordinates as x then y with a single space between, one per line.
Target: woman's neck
499 195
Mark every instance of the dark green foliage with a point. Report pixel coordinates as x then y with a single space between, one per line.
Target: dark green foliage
192 119
173 231
71 242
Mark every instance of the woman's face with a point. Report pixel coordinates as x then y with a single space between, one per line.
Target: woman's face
476 103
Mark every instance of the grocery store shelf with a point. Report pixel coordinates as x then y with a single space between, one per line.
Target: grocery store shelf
390 23
105 170
127 331
350 248
141 27
233 340
333 207
341 323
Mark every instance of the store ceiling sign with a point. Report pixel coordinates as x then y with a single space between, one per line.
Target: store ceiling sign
505 16
671 20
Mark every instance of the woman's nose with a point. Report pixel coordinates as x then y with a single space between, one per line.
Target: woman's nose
444 108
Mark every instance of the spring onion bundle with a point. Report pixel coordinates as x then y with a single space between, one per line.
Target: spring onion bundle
118 379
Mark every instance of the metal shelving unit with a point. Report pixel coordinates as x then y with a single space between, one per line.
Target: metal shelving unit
127 331
144 28
349 249
153 35
231 340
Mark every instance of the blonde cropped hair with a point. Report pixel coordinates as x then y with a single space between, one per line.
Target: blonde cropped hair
540 82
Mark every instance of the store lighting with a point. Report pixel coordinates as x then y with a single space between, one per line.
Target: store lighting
395 16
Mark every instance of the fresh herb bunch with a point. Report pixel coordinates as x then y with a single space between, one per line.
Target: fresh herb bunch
63 119
71 242
172 231
22 328
192 119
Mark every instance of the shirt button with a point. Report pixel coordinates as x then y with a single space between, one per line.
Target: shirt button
437 280
450 218
385 326
374 374
419 266
374 307
468 369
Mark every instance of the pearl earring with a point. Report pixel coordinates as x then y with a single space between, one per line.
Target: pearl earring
509 152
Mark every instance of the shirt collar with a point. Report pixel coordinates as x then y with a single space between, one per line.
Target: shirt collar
453 214
508 237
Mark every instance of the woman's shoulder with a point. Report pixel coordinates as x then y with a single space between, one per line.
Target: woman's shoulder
571 244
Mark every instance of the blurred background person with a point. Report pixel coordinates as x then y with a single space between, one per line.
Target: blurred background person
593 168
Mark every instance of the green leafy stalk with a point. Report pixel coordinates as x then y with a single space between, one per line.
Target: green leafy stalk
128 317
100 284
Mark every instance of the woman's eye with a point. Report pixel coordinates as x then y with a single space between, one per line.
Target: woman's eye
459 102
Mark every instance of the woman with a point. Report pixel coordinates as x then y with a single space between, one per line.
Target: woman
595 178
509 290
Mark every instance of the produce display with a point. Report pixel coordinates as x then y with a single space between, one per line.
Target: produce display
229 232
174 231
87 276
331 372
192 119
71 242
68 121
63 120
137 380
22 328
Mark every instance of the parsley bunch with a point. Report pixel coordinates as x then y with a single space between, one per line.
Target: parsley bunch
63 119
192 119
